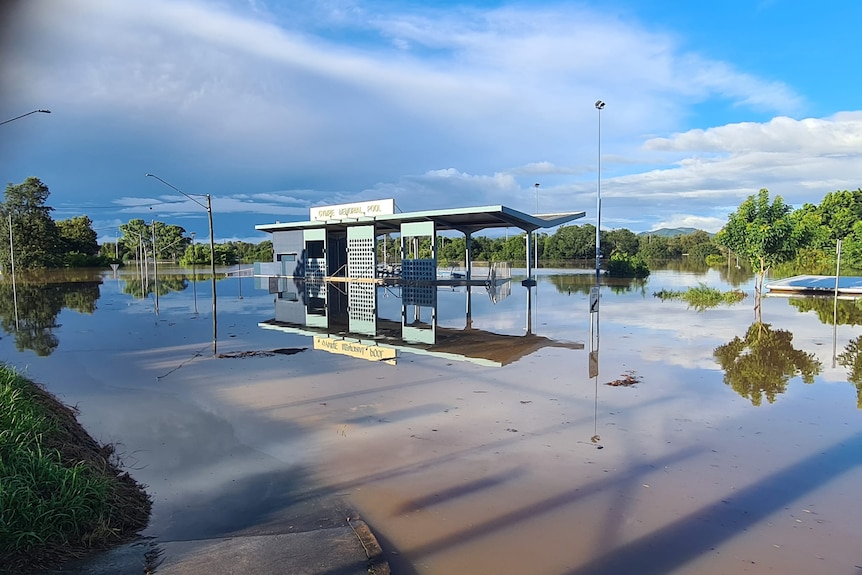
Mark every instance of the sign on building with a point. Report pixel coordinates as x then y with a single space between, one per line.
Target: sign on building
367 209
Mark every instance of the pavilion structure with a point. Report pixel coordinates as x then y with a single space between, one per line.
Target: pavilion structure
339 242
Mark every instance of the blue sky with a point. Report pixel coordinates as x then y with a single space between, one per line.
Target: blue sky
276 106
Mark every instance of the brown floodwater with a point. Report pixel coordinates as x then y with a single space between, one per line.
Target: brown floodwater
494 449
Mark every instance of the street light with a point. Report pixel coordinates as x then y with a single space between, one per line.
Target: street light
536 233
194 271
209 209
9 213
599 106
24 115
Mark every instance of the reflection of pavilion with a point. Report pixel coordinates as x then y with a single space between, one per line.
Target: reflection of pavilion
349 323
326 274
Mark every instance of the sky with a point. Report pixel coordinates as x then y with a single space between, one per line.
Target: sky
272 107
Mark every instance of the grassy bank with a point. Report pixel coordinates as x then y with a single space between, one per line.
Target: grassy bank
61 493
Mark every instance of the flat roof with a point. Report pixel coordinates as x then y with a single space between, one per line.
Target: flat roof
464 220
849 285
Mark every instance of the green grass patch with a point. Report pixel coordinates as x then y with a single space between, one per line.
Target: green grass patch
703 297
61 493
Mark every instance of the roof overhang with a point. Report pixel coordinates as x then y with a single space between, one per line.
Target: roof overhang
464 220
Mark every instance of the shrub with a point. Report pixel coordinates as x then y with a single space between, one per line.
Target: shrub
622 265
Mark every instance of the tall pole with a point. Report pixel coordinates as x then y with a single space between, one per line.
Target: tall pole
212 272
12 263
25 115
208 207
194 271
155 268
599 106
11 249
536 233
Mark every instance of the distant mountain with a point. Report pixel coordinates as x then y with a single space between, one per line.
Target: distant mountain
671 232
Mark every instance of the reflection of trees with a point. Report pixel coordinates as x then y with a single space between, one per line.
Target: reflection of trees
166 285
852 360
38 307
581 283
849 311
763 362
735 276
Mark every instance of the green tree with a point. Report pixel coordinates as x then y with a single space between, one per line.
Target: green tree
622 265
761 364
77 235
572 243
35 238
763 233
622 241
136 235
840 211
654 247
171 240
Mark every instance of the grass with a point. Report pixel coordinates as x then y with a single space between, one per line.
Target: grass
703 297
61 493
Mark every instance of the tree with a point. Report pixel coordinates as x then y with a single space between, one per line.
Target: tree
622 241
839 212
763 233
35 238
136 234
77 235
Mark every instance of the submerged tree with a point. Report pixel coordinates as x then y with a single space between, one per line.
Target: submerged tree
763 362
762 232
35 241
852 360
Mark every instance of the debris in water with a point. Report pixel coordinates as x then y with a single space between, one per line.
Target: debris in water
628 379
261 353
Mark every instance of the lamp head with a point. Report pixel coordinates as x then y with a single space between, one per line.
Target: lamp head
599 105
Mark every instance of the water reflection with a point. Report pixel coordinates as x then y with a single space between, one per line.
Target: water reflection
166 284
852 360
31 317
349 319
849 312
761 364
581 283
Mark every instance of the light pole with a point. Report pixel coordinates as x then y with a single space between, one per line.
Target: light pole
194 272
24 115
155 268
536 233
209 209
9 212
599 106
12 263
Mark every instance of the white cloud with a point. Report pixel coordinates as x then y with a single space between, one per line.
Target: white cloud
462 106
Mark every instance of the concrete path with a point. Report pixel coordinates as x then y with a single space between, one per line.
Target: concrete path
349 549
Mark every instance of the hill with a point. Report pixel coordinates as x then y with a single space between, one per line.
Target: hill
671 232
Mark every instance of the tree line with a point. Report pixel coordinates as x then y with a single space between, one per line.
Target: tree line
805 237
37 241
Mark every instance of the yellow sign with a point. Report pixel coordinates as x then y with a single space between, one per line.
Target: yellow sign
358 210
357 350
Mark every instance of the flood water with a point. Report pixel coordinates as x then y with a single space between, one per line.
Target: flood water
482 440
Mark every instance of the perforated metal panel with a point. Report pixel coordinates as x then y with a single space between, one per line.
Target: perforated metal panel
362 308
419 270
419 295
414 269
361 255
